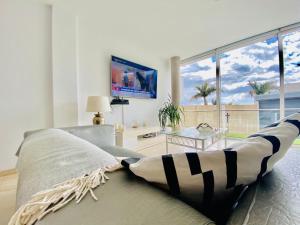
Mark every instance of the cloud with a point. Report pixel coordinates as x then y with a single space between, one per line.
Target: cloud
273 68
233 86
292 37
241 68
268 55
265 76
195 67
194 81
297 64
237 98
262 51
204 69
292 78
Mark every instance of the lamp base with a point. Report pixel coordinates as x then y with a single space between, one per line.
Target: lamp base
98 119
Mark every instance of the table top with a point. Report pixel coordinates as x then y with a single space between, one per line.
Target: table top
194 133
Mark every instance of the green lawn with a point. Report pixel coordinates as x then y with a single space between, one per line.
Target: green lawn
238 135
297 142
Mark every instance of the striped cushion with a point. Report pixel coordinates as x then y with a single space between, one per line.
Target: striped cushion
207 180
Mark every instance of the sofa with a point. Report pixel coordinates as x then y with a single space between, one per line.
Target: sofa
128 200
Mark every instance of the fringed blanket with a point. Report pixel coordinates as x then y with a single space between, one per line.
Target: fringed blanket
61 194
201 177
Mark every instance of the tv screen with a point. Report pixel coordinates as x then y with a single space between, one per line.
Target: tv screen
130 79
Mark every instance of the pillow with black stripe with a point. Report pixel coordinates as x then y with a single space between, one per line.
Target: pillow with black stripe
212 181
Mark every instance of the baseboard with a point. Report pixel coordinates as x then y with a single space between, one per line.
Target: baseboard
8 172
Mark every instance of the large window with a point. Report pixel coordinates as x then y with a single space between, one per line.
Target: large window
199 92
199 83
291 50
249 74
250 86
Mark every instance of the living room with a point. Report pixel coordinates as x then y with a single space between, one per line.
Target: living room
149 80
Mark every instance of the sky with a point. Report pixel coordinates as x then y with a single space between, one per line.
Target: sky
256 62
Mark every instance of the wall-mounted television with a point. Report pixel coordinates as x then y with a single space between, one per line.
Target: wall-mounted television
129 79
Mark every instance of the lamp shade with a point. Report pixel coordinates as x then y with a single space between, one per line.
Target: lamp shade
98 104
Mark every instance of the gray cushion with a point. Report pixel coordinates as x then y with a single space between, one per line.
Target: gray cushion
121 152
100 135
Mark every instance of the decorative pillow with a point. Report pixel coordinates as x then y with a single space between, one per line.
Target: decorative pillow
209 180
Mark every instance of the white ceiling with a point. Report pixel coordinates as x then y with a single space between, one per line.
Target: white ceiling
184 28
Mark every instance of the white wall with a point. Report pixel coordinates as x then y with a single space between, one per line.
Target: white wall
96 46
95 42
64 62
51 59
25 74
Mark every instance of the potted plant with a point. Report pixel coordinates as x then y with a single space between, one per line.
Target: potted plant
169 115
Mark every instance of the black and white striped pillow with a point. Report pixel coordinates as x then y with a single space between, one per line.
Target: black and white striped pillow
206 179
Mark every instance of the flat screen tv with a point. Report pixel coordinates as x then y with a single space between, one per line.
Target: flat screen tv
129 79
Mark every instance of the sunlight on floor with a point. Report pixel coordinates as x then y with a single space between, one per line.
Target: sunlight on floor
8 186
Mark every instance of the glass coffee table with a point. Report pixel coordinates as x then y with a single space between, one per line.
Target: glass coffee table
193 138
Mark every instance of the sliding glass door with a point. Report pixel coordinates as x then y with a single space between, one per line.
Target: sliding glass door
291 51
244 86
250 87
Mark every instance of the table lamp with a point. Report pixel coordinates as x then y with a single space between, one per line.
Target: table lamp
98 104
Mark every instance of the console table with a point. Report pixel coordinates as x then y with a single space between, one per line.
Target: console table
132 138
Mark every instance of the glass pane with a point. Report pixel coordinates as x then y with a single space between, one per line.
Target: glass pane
201 74
291 51
250 87
198 96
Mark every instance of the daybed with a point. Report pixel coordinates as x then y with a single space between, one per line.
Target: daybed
127 200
